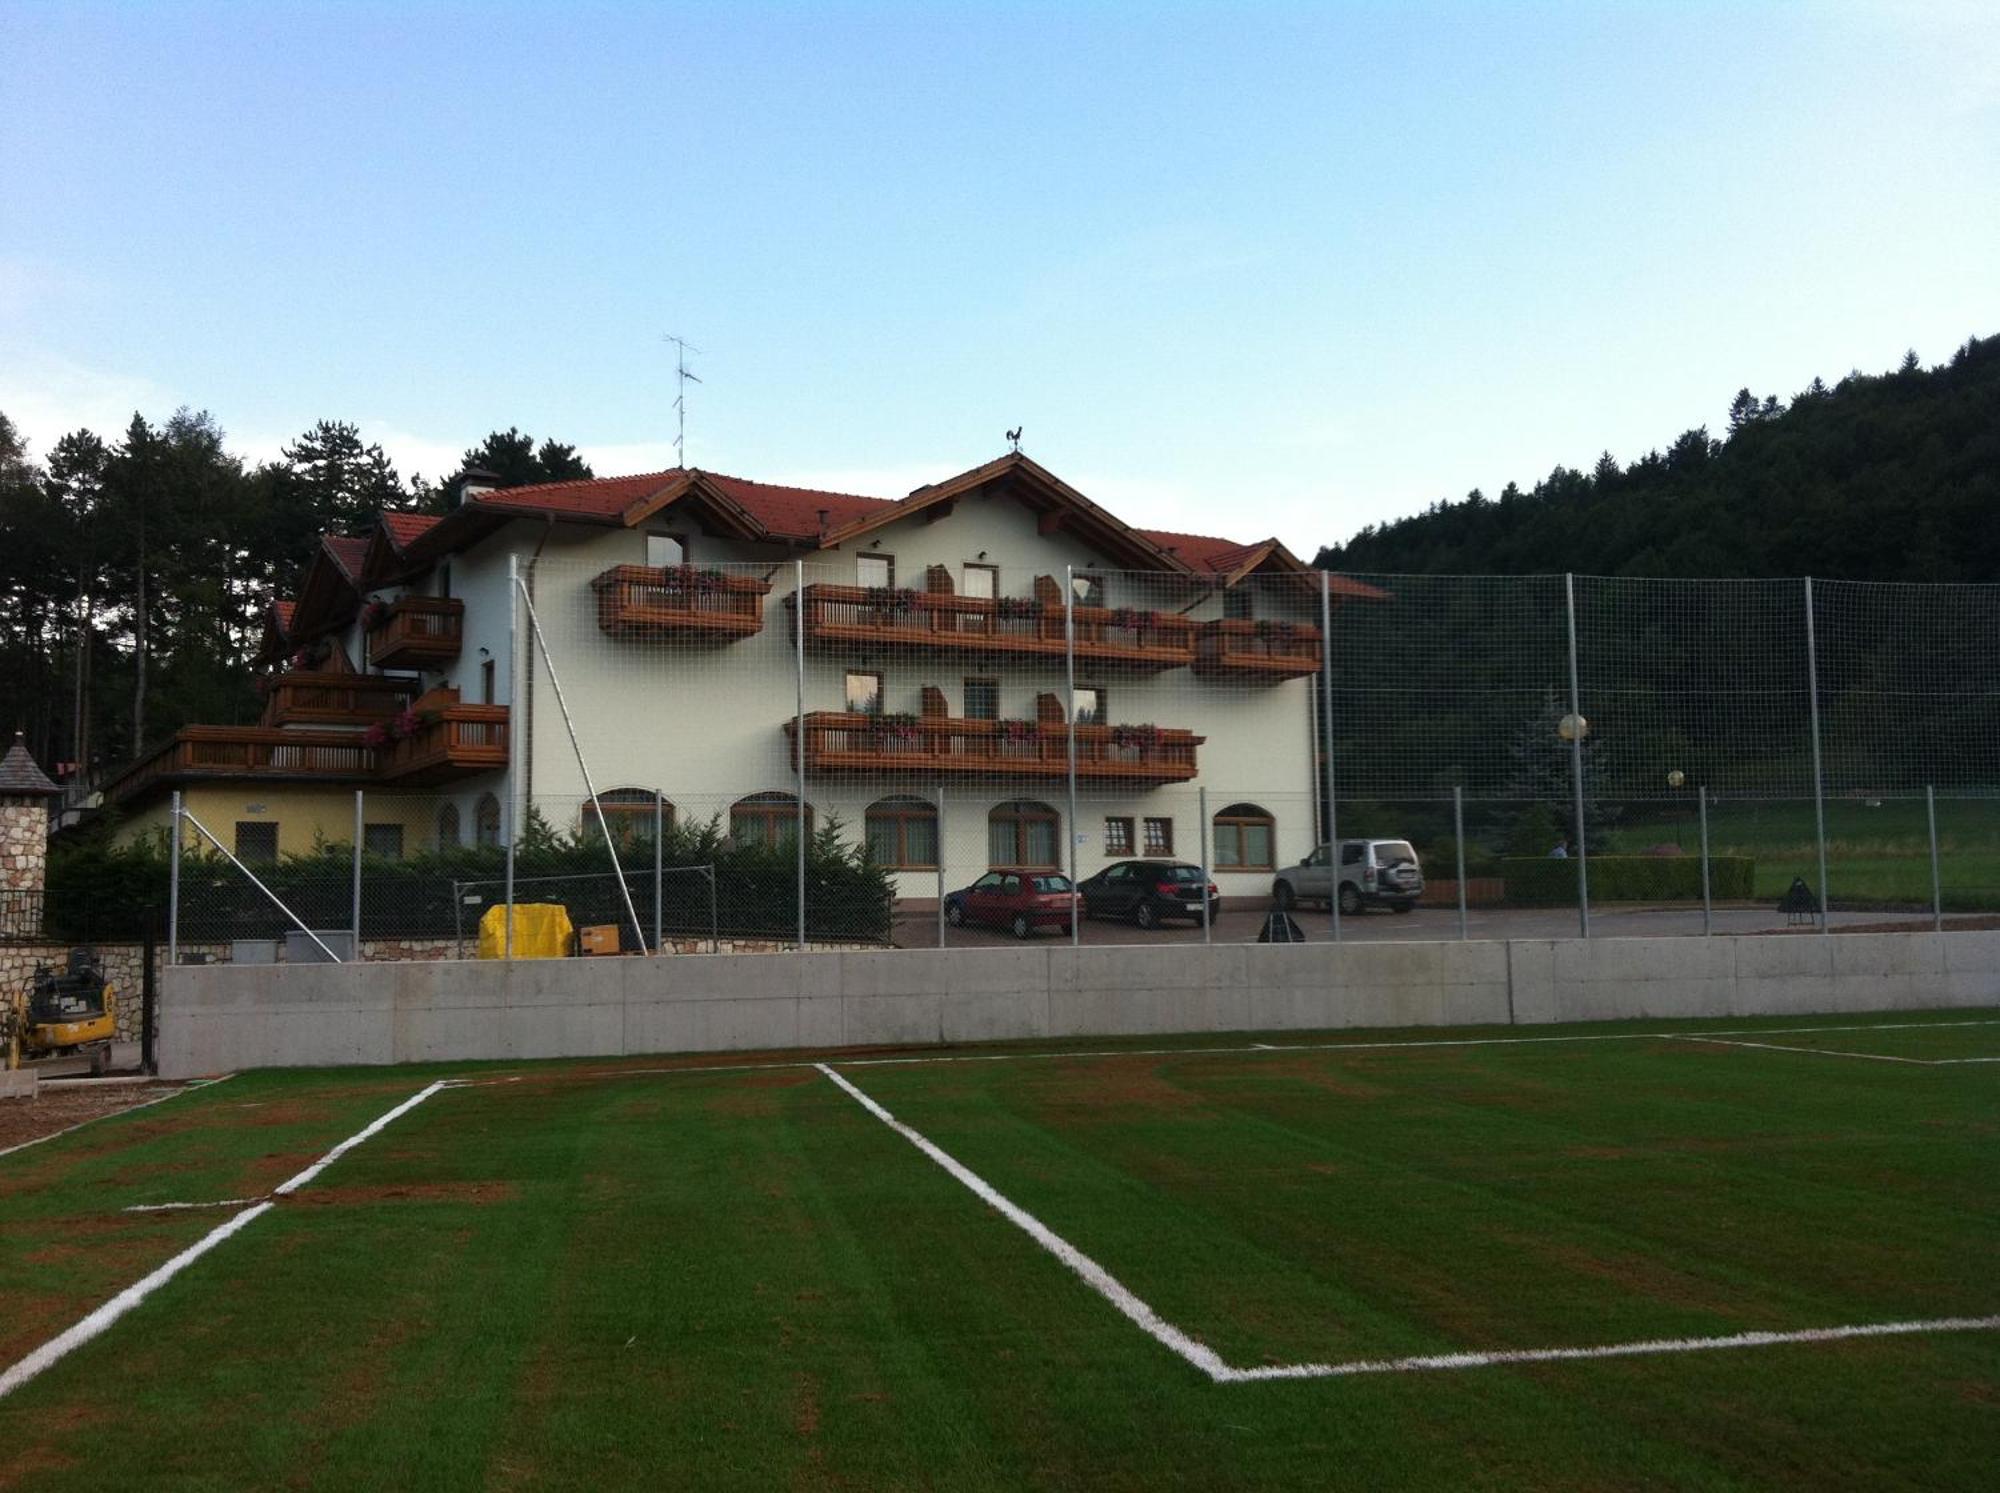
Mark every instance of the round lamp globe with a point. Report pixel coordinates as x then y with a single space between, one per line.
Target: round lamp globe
1676 778
1572 728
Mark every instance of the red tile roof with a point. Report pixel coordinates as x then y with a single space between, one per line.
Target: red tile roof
601 498
348 551
1204 552
403 527
793 512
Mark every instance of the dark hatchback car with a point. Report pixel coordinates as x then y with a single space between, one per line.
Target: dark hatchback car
1019 901
1148 892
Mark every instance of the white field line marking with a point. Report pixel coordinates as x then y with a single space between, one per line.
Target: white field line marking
1430 1362
1832 1052
75 1337
1093 1274
174 1207
61 1345
373 1127
692 1070
200 1083
1211 1363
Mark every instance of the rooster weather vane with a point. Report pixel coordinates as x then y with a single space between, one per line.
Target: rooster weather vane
1014 436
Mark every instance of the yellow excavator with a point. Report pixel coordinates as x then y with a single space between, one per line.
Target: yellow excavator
66 1013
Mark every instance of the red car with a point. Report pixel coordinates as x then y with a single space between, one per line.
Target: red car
1020 901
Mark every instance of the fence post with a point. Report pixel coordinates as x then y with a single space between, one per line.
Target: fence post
799 733
517 723
1819 776
1458 839
1707 905
1069 734
938 793
1578 727
174 886
360 828
1937 879
659 866
1326 722
1201 799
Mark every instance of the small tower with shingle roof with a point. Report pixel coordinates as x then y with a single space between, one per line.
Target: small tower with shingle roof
25 791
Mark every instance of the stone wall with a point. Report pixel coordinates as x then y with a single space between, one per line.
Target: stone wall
24 843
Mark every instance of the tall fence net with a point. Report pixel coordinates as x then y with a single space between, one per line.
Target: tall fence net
879 751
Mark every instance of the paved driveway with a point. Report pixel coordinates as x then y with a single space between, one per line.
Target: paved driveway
919 929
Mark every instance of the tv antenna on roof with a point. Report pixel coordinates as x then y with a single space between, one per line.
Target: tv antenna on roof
682 347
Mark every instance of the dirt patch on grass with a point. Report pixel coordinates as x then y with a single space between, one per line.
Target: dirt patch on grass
405 1192
1641 1275
1113 1090
1316 1071
51 1110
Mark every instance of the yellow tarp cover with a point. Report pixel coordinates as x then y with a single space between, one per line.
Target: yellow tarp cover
541 931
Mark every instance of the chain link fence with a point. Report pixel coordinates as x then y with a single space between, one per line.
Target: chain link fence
881 750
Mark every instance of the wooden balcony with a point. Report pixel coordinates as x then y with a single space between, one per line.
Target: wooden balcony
300 698
647 600
417 632
1236 649
259 753
455 741
843 616
949 747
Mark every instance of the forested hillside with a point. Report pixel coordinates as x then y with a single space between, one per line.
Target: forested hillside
1893 477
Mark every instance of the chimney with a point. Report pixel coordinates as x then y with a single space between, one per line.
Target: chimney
476 482
824 515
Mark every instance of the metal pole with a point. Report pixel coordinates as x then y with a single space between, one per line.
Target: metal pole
1201 795
251 876
1819 777
1326 702
1707 904
517 723
659 866
1937 880
938 793
1458 839
174 887
1069 734
359 835
799 734
1576 761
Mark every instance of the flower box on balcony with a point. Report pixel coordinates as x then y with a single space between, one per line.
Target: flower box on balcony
651 600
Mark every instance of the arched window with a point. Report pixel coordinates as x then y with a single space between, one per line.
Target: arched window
903 833
447 827
486 821
1023 833
1245 839
628 812
766 819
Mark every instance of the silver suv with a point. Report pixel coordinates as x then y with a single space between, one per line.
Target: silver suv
1373 873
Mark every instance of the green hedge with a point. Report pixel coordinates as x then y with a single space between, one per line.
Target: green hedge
1547 881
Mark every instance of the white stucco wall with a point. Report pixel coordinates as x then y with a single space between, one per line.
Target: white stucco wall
703 722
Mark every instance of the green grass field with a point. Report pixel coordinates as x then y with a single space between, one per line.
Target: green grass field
729 1276
1878 852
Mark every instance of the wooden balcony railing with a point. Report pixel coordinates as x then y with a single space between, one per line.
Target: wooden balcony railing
1257 650
258 752
456 741
300 698
417 632
645 599
979 624
837 743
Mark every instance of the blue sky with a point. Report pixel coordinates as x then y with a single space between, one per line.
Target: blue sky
1238 269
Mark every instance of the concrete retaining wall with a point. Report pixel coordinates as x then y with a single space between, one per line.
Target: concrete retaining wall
232 1017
